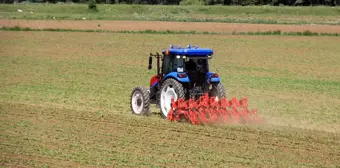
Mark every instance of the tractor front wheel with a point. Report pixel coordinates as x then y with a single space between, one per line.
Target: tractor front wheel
140 101
171 89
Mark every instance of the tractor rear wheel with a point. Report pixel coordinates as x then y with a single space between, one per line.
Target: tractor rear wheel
217 90
140 101
171 89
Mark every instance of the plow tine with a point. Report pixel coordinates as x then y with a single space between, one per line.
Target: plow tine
233 111
212 110
171 112
170 115
235 116
223 105
201 115
245 112
192 117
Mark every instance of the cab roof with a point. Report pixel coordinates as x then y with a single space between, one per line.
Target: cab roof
188 51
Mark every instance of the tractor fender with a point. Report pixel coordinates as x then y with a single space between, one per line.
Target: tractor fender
154 80
175 76
211 79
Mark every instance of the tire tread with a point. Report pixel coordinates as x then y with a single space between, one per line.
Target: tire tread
146 100
178 88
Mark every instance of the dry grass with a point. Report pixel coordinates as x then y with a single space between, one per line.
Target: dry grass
65 102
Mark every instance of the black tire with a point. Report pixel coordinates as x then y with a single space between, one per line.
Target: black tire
217 90
142 101
178 87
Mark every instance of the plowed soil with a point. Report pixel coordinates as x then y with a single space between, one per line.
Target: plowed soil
45 136
162 26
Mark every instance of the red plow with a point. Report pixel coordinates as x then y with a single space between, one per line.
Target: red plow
211 110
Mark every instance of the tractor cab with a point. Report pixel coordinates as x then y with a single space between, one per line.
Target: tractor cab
188 66
186 59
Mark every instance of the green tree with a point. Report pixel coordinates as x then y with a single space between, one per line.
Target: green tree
191 2
92 5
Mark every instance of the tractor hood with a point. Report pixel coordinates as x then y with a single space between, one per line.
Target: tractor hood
189 51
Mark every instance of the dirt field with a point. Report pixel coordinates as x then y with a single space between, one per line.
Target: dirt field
175 26
64 101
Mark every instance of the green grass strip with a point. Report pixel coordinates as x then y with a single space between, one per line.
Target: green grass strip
276 32
291 15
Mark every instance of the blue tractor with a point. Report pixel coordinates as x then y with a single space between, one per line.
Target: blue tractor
181 73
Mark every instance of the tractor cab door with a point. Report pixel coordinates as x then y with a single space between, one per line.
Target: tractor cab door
167 64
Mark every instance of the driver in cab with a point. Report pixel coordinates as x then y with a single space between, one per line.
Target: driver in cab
190 65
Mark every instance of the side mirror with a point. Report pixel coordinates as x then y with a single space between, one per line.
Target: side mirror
150 63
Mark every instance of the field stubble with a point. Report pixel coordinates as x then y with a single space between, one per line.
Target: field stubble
65 101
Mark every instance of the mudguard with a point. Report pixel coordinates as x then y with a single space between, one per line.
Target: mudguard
175 76
154 81
211 79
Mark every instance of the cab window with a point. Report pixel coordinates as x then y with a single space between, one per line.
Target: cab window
173 64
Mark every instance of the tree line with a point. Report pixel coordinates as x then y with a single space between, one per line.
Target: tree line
194 2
